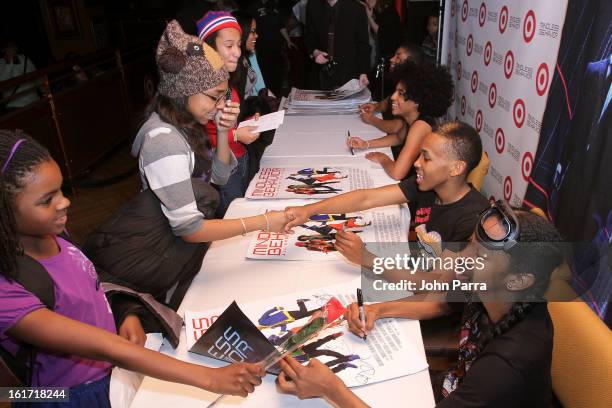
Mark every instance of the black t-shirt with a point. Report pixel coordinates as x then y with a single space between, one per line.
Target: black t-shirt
513 370
454 222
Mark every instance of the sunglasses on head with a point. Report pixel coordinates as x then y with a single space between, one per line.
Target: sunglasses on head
502 234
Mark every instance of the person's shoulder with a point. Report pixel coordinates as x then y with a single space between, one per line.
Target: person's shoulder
534 330
474 199
160 137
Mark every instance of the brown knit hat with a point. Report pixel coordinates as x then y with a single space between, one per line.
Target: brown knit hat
186 65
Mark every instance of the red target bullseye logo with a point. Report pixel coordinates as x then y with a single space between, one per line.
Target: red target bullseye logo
503 19
508 64
464 10
500 140
478 121
542 79
459 70
508 188
492 94
463 105
469 45
518 112
527 165
453 6
474 82
488 51
492 199
529 26
482 14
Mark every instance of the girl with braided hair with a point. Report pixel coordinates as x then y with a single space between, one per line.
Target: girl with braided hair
72 343
505 345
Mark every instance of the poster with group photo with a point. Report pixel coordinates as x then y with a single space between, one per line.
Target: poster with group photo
307 182
239 334
315 239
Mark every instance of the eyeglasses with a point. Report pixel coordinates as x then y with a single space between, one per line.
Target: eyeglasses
217 99
502 234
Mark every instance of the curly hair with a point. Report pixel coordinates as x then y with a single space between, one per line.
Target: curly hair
431 87
28 155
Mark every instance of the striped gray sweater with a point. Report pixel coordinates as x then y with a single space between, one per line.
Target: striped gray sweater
166 162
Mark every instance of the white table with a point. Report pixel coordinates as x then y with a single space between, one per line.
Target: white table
318 140
226 275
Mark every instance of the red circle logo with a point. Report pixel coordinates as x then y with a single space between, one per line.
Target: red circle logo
518 111
529 26
478 120
492 95
488 51
469 45
527 165
508 188
464 10
503 19
542 79
463 105
500 140
492 199
508 64
453 6
458 70
474 82
482 14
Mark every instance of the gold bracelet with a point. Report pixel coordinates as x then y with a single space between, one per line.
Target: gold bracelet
243 227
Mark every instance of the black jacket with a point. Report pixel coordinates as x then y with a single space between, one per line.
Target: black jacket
351 45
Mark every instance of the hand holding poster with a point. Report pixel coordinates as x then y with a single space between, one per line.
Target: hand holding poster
386 354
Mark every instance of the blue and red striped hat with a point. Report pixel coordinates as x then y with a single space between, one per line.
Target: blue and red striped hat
215 21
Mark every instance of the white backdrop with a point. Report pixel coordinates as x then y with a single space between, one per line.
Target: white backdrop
502 54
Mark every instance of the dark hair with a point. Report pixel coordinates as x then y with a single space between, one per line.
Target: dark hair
430 87
239 78
464 142
174 111
28 155
415 52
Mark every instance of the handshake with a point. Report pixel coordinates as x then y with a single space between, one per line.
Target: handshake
347 243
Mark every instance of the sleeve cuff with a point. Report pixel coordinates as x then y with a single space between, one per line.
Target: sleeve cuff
221 172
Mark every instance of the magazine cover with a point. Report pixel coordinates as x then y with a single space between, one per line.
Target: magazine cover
309 182
314 240
386 353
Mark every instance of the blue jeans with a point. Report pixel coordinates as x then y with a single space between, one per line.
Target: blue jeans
236 185
92 395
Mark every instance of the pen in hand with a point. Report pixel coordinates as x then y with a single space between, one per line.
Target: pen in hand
348 142
361 312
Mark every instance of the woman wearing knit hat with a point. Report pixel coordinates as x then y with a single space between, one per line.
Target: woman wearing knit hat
221 31
154 244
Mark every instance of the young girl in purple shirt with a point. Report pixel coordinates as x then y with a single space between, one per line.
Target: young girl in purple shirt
76 342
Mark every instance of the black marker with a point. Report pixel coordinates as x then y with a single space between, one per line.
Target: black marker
361 312
348 140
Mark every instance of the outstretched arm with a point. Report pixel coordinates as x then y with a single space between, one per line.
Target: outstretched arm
48 330
348 202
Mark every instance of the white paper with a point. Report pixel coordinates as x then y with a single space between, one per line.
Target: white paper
307 182
314 240
387 353
265 122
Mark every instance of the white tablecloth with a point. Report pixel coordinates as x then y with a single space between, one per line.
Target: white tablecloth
315 140
226 275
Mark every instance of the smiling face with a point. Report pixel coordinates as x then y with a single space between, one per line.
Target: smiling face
435 165
401 104
40 207
400 56
252 37
204 106
227 44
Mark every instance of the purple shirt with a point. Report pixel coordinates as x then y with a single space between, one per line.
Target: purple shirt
76 297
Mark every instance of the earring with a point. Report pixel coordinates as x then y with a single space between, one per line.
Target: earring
509 286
